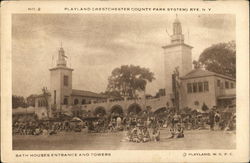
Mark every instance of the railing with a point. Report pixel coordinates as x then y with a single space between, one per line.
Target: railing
153 99
227 92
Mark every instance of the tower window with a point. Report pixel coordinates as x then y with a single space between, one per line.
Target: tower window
232 85
66 80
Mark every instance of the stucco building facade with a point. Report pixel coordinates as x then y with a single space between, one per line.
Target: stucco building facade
201 87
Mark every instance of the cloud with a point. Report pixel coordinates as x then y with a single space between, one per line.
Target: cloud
97 43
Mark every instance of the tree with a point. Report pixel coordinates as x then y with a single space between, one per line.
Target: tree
220 58
128 79
112 94
31 100
18 101
196 64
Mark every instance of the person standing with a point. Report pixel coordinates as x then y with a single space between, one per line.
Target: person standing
217 118
211 119
156 134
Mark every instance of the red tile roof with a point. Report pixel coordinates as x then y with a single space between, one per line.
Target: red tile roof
196 73
76 92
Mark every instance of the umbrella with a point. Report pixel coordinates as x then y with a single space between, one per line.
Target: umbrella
76 119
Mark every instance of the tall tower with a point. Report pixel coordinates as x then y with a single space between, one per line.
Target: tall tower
176 54
60 81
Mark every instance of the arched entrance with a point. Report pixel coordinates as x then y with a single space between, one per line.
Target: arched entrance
76 101
160 111
83 101
134 108
65 101
100 111
162 114
116 110
76 111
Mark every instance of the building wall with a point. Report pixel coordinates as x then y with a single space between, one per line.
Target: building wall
176 56
154 104
220 89
40 107
57 84
41 111
66 90
186 65
209 97
172 58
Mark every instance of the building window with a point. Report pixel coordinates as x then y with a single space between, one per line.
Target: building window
66 80
226 84
76 101
206 86
65 101
194 87
189 87
83 101
54 96
200 86
218 83
232 85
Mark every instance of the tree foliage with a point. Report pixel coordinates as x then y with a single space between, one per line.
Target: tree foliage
128 79
220 58
18 101
112 94
31 100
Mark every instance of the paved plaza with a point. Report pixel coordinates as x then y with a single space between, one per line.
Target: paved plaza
195 139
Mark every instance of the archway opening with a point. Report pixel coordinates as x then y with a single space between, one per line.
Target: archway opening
117 110
65 101
134 109
76 101
83 101
161 113
100 111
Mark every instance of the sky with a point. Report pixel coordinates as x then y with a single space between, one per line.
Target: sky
97 43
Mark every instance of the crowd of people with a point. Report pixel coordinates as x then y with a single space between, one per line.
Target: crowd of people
41 127
141 127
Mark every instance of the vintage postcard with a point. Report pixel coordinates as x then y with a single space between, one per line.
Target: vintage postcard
124 81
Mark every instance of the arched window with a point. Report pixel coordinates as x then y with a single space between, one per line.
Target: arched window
65 101
76 101
83 101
